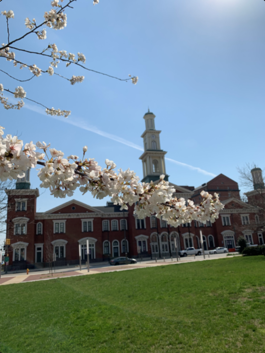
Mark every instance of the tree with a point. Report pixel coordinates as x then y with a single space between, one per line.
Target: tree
7 184
63 175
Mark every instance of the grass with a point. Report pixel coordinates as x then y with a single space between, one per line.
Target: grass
211 306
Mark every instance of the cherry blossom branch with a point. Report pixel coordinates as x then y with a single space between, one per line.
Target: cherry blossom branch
7 29
36 27
75 63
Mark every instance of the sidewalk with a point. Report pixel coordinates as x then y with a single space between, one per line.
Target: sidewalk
46 275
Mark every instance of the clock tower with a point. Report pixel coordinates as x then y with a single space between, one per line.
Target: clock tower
153 158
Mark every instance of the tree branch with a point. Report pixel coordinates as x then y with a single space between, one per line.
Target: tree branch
31 100
7 30
17 78
69 61
33 30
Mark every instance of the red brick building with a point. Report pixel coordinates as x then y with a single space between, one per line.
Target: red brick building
61 233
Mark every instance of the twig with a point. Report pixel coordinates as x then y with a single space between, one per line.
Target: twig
17 78
69 61
7 30
7 90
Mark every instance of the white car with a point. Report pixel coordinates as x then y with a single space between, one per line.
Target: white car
219 250
190 251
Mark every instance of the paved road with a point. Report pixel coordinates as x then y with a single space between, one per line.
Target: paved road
12 278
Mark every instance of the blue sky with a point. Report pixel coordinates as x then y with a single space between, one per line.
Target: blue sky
201 72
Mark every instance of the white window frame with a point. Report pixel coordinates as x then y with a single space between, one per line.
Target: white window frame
59 221
251 238
164 243
153 244
112 247
60 242
260 236
257 219
106 242
20 200
142 238
126 226
20 221
242 219
92 244
41 231
188 236
40 245
223 220
104 221
161 223
86 220
127 246
19 245
117 223
140 223
153 217
210 235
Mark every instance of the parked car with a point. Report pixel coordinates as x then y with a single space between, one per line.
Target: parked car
219 250
122 261
190 251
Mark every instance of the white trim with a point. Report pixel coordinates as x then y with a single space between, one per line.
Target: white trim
210 235
106 241
41 232
248 232
39 245
260 236
112 221
83 240
142 238
112 246
126 225
59 242
226 216
19 245
56 216
144 219
20 221
245 215
124 240
87 220
59 221
106 230
188 236
21 200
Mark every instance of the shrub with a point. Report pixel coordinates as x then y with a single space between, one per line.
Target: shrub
254 250
242 243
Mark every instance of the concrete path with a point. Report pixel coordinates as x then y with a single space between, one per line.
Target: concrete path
62 273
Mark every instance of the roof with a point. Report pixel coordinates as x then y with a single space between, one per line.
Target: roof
92 209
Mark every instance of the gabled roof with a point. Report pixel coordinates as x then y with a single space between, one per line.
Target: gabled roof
89 208
239 202
217 176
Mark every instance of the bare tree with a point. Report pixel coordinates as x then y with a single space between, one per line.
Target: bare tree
8 184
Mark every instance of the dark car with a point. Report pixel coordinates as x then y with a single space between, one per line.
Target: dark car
122 261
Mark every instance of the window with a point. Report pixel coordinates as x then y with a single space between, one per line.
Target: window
21 205
59 252
153 222
19 251
154 145
115 248
188 242
123 224
59 248
163 224
39 228
195 224
186 225
114 225
226 221
106 247
87 226
155 166
257 219
59 227
164 243
140 223
141 246
245 219
105 225
261 241
154 243
208 223
211 241
249 239
20 225
125 246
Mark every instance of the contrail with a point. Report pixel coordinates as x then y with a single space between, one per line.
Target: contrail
82 124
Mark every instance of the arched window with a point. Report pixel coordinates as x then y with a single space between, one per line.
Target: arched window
106 247
154 145
115 248
154 243
114 224
164 243
39 228
155 166
211 241
125 246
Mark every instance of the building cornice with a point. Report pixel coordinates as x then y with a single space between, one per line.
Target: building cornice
153 153
151 132
22 192
238 210
91 215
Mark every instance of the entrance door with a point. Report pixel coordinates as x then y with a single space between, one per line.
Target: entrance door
39 255
229 243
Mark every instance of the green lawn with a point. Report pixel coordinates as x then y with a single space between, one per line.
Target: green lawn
211 306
